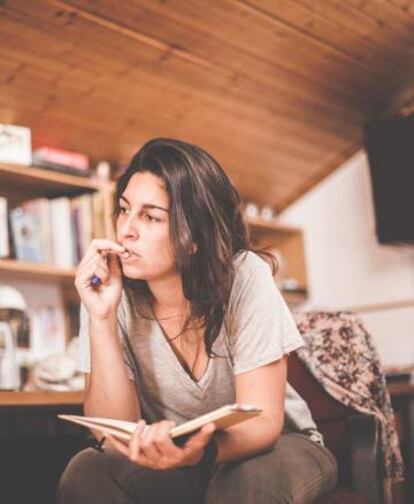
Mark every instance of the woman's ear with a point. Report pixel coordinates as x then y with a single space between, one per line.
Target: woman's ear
193 248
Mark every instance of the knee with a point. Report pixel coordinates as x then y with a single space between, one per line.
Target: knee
78 481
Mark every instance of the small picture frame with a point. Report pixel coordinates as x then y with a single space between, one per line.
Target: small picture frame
15 144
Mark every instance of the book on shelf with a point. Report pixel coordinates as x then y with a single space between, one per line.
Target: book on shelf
63 236
26 233
40 209
82 217
4 228
223 417
50 158
51 231
98 215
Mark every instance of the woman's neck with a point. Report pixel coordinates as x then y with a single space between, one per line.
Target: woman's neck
167 296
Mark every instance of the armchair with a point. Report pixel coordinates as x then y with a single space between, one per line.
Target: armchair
352 437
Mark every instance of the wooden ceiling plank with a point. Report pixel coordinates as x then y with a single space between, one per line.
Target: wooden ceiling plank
82 101
351 16
261 94
118 85
290 28
75 97
140 37
387 15
339 29
219 52
241 55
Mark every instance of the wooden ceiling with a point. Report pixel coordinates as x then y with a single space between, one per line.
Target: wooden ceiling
276 90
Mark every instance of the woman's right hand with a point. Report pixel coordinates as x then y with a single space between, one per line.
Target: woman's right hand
101 259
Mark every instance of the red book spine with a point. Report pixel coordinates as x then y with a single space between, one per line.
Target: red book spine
63 157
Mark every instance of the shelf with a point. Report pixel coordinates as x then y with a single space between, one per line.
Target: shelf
40 398
294 298
46 183
35 270
270 225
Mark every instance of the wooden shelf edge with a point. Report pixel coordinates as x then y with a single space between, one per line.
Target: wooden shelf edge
271 225
38 270
55 177
40 398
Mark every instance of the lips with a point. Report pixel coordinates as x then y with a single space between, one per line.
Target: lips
129 255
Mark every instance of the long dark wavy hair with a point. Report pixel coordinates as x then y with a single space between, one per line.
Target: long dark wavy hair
205 209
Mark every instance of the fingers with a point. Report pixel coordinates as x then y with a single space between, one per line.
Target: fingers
163 442
113 264
101 259
151 439
94 265
102 245
200 440
117 444
151 445
135 443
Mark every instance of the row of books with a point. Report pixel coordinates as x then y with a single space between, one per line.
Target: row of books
54 231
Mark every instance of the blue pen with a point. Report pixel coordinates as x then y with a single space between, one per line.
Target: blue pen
95 281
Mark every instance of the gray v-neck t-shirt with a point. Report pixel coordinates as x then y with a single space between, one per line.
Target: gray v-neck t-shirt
259 329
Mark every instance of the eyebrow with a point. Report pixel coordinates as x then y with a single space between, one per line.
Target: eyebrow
146 205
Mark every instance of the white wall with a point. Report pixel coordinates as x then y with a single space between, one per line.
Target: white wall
346 265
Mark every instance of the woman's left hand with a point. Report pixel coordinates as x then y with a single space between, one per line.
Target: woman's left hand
151 446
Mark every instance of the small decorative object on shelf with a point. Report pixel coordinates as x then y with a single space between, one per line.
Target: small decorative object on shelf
13 323
251 210
266 213
15 144
103 171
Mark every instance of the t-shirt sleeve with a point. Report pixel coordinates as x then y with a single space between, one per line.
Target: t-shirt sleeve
262 328
84 351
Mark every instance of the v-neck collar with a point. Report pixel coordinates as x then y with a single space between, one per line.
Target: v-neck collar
177 364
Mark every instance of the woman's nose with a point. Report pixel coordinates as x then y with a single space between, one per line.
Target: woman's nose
127 229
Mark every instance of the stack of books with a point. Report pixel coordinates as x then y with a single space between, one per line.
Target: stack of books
55 231
62 160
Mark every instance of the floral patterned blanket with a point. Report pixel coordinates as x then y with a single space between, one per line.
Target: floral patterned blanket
341 355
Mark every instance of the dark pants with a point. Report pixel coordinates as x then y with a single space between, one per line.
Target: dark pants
297 470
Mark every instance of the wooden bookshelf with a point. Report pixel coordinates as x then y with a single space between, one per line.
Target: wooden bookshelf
18 183
44 181
289 241
40 398
35 271
271 225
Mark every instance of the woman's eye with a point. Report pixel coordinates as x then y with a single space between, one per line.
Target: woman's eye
123 210
150 218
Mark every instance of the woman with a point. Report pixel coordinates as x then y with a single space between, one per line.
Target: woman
185 320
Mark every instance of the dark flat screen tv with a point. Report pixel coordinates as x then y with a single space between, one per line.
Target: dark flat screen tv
390 147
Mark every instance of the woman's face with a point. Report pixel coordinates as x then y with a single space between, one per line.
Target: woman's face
143 229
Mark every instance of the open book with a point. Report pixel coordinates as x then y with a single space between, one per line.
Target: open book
223 417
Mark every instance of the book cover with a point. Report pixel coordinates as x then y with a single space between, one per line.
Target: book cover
82 216
48 165
63 237
224 417
62 158
4 229
40 207
46 229
98 215
26 234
